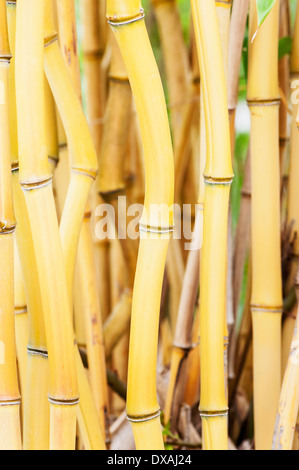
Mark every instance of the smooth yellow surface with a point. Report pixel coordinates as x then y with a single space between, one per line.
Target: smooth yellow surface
266 262
36 405
263 57
159 171
213 265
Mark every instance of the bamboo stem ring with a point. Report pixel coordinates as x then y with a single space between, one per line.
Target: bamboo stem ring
56 401
10 402
252 103
213 414
264 308
36 184
51 40
37 352
131 20
142 419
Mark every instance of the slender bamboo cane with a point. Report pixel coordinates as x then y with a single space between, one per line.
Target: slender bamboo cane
35 180
289 398
283 79
293 200
127 22
21 323
183 334
10 429
236 37
217 176
83 173
175 58
266 300
35 405
223 10
86 274
93 48
84 161
66 15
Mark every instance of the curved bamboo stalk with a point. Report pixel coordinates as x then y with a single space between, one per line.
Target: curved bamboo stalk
10 429
83 155
93 48
217 176
35 180
266 299
127 22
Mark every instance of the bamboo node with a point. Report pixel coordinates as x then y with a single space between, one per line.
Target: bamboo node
21 310
211 180
143 418
131 20
37 352
60 402
36 184
265 308
6 229
186 348
158 230
10 402
50 40
273 102
6 58
15 167
89 173
213 414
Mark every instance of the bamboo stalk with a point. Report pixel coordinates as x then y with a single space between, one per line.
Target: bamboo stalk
127 22
10 429
83 156
182 344
289 397
175 58
35 405
217 176
35 181
283 79
236 37
21 323
266 300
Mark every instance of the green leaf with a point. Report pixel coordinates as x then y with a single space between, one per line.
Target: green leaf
263 9
284 46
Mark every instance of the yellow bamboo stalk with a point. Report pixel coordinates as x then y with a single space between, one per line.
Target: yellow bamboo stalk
82 174
10 429
217 176
35 404
283 79
35 180
93 48
21 322
266 299
289 397
83 156
293 199
127 22
183 333
175 58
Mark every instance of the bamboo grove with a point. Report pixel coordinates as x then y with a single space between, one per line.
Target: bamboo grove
149 225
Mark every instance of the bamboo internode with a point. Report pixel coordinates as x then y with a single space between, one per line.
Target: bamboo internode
266 298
